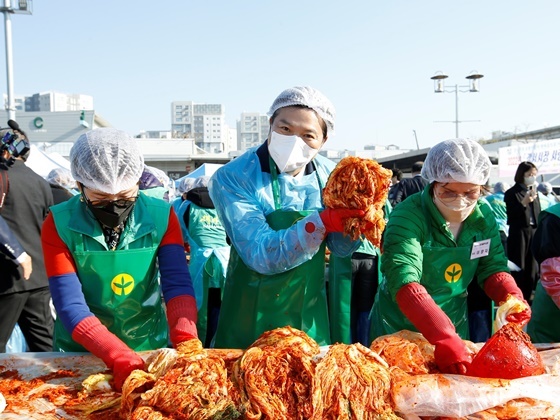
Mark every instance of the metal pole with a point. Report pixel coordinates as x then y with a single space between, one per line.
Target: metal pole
9 61
456 111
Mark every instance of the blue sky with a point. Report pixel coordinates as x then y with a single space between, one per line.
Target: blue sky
373 59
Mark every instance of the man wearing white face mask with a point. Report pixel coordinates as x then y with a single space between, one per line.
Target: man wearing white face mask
269 201
435 243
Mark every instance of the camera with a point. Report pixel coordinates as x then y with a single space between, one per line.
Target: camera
11 142
14 145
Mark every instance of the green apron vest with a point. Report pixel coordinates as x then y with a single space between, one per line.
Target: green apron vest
120 287
543 327
446 273
206 233
254 303
340 294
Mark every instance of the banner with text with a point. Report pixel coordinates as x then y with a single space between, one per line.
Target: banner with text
544 154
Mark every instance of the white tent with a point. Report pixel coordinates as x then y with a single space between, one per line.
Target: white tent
206 169
42 163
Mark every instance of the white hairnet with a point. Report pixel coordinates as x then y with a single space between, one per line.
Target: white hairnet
457 160
501 187
309 97
544 187
107 160
61 177
201 181
186 185
153 177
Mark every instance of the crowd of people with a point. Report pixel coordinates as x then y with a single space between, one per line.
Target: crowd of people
131 263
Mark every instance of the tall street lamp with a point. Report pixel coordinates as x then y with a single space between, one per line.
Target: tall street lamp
19 6
439 87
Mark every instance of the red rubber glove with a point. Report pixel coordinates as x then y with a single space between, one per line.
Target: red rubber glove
451 353
334 219
498 287
181 317
98 340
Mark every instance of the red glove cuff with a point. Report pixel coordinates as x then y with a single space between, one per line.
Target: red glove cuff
424 313
98 340
181 317
499 285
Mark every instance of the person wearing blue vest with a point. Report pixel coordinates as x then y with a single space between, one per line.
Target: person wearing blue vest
102 252
209 256
181 203
269 201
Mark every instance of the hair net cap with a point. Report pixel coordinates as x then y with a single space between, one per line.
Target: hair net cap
61 177
152 178
309 97
107 160
201 181
501 187
457 160
186 185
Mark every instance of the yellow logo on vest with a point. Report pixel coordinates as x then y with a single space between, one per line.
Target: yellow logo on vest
453 273
122 284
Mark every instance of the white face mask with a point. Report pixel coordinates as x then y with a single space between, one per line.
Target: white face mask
290 152
529 180
456 211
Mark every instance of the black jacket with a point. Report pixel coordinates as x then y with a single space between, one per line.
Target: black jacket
26 206
408 186
545 243
517 214
60 194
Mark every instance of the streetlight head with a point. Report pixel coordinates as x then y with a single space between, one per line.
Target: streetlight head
439 84
474 80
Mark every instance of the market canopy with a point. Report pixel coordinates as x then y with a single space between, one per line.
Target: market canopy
42 163
206 169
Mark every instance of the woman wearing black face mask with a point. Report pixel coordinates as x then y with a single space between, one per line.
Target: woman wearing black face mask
523 209
103 250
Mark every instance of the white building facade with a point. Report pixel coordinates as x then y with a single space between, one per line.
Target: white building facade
205 123
252 130
57 102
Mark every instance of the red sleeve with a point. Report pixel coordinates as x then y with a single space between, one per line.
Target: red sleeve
173 234
58 259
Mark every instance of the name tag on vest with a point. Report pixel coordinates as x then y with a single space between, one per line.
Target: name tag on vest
480 249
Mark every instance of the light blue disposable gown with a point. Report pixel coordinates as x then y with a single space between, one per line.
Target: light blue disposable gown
242 195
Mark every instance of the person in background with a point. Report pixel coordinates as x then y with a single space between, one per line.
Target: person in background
546 196
62 184
498 205
269 202
435 243
154 183
209 256
523 209
24 296
180 205
478 302
544 326
408 186
352 286
103 249
10 247
395 179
